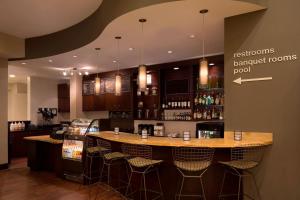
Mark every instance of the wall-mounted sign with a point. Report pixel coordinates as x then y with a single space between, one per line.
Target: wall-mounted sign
240 80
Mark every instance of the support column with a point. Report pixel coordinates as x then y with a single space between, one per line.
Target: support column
3 113
76 97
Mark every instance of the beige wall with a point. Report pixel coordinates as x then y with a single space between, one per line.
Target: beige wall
43 94
3 111
11 46
271 105
17 101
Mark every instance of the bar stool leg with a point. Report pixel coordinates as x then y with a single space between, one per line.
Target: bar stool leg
256 187
181 187
240 180
222 185
159 183
202 187
145 187
129 182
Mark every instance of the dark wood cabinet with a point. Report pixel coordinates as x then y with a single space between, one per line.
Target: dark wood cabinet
63 94
107 100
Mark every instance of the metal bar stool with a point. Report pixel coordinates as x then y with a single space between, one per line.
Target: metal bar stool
192 163
110 159
243 159
141 163
92 152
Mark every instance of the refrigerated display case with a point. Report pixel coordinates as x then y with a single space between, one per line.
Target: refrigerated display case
73 145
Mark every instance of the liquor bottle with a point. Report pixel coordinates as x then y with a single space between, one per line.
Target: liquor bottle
189 104
196 100
200 99
221 115
208 115
217 100
204 100
199 114
204 115
212 98
195 114
222 99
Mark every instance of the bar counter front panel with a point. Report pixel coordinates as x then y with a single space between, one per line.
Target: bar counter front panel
162 150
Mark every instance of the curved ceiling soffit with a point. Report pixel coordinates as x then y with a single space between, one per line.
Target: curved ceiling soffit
86 31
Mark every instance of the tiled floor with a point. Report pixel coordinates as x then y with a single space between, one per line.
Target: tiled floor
19 183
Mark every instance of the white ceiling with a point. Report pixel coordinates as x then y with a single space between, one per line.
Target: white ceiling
30 18
168 27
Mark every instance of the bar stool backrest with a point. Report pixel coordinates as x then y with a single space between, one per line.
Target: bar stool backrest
103 143
89 142
185 154
249 153
134 150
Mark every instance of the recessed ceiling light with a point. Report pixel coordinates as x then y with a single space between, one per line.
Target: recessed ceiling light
192 36
23 63
176 68
169 52
74 56
71 73
50 61
148 72
131 49
211 64
86 73
79 73
12 76
114 61
65 73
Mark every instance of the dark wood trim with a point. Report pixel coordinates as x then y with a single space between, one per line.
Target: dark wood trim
3 166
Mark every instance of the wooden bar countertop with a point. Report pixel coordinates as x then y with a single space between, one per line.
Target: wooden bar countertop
44 138
249 138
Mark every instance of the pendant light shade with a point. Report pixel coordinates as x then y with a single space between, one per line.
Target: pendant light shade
142 75
203 68
142 78
97 85
118 80
203 72
118 85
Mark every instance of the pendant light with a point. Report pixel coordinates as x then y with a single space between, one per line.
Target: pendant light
97 80
142 76
118 81
203 68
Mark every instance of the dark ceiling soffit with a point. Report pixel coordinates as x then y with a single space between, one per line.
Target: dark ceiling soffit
84 32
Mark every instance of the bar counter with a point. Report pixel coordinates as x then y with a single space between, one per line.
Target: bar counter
162 150
249 139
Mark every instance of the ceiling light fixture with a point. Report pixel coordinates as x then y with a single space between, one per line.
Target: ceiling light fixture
211 64
50 61
79 73
65 73
74 56
169 52
176 68
86 73
118 81
192 36
142 76
114 61
131 49
203 68
12 76
23 63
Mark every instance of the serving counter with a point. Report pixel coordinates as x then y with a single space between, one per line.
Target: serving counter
44 153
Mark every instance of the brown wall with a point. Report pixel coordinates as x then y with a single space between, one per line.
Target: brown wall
268 105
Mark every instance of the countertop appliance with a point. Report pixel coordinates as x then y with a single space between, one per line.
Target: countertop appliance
148 127
210 130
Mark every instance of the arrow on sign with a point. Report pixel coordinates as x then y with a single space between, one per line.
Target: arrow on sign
240 80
